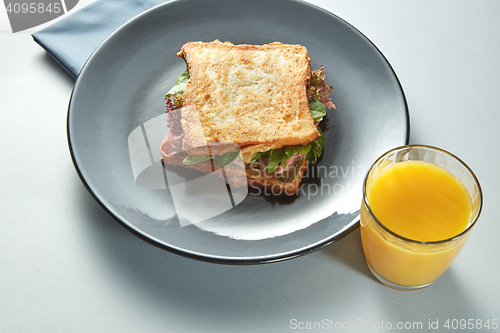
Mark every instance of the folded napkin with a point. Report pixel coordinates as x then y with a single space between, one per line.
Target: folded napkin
72 40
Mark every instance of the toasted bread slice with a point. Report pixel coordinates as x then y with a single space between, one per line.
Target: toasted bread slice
253 96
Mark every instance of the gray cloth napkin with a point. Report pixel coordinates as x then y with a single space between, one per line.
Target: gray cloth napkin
72 40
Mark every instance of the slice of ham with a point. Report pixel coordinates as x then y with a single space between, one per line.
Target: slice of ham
172 144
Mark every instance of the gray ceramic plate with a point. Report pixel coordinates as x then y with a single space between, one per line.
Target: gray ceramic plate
118 102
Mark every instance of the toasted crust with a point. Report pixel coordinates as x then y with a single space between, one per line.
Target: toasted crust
253 96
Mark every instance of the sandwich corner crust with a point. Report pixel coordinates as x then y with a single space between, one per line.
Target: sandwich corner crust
252 96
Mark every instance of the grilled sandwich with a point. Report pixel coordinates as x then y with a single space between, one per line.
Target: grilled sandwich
257 105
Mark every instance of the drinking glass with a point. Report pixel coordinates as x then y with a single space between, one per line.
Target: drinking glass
409 264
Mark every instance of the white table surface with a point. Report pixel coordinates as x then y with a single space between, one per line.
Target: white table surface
66 266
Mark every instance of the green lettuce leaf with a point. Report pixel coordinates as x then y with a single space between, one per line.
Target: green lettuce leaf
257 156
303 149
276 156
317 148
289 152
227 158
180 84
272 165
313 151
318 110
222 160
193 159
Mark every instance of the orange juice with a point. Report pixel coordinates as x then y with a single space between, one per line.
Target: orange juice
424 205
420 201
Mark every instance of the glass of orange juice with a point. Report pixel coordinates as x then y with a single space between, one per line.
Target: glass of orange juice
419 206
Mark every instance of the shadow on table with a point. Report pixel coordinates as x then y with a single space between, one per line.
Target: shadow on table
52 66
349 252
